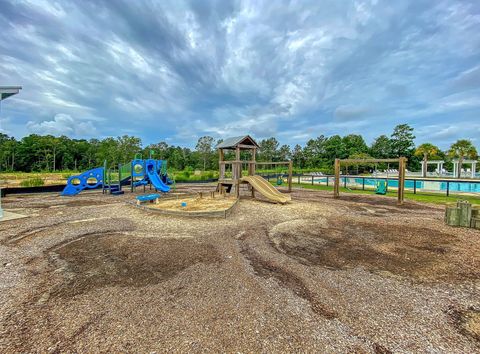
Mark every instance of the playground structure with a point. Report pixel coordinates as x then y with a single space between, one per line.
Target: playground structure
137 173
231 174
380 189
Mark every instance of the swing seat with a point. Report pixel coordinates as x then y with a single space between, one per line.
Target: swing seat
381 187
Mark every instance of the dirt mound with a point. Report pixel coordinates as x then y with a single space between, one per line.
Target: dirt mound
375 211
340 244
472 323
120 260
267 269
467 321
378 201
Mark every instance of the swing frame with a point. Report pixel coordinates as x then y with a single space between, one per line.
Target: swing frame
402 164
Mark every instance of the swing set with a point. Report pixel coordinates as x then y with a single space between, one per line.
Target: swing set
380 188
280 171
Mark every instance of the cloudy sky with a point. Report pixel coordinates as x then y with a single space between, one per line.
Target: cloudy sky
174 71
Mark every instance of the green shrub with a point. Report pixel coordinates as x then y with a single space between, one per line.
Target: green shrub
32 182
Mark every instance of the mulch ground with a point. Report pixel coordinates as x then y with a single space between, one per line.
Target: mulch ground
359 274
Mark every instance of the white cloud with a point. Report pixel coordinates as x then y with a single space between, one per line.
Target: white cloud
64 124
185 69
445 134
349 112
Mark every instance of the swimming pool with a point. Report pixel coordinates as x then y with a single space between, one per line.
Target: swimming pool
465 187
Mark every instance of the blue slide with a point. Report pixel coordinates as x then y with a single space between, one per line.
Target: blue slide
153 176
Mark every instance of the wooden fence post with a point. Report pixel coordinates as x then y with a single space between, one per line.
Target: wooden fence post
290 174
336 186
401 180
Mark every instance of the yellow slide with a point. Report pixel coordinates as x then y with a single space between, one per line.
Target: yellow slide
262 186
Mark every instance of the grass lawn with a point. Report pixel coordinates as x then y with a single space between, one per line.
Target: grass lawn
17 179
423 197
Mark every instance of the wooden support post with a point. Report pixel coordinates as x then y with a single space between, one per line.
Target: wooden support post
465 213
221 166
253 162
238 163
401 180
290 174
336 186
452 215
475 221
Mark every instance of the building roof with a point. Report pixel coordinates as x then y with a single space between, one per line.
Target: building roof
7 91
466 161
232 143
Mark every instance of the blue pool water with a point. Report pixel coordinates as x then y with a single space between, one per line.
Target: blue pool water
467 187
391 183
461 187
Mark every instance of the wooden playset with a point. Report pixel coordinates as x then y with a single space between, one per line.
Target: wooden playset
237 172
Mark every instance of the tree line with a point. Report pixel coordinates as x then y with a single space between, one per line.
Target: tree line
49 154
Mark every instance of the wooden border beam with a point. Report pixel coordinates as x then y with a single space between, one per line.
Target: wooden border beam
357 161
273 163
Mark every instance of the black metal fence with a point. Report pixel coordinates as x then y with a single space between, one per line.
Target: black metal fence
447 186
438 186
40 189
59 187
